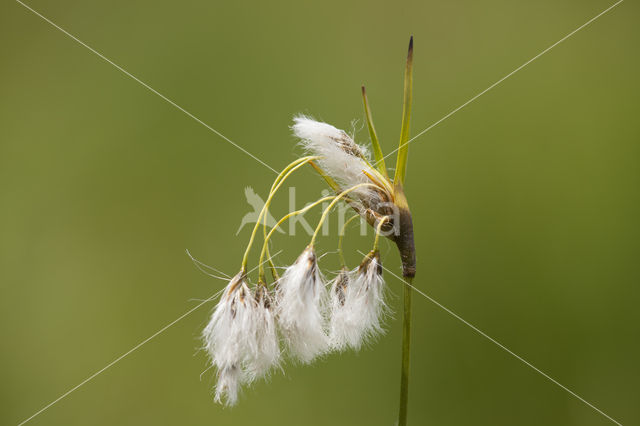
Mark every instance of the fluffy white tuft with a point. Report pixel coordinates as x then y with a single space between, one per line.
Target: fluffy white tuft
300 298
228 386
357 309
230 338
342 333
342 158
268 347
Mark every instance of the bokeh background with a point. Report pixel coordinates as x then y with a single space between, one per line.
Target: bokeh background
525 203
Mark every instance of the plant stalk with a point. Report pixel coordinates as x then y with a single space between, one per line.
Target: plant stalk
406 353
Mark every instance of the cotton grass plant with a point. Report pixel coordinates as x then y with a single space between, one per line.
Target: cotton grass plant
300 315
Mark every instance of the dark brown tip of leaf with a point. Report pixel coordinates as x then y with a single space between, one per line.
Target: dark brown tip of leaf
410 54
363 91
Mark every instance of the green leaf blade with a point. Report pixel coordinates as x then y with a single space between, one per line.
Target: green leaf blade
403 146
375 142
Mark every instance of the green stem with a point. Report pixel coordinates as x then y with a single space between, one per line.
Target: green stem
274 272
340 238
325 213
292 167
378 230
265 246
406 354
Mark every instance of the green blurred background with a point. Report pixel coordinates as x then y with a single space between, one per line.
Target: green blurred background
525 204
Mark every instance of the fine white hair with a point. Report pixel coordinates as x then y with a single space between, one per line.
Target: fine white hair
300 299
230 338
342 158
342 333
267 355
229 379
358 308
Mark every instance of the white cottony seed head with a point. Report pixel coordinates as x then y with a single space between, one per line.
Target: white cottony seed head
230 338
342 333
268 348
300 299
228 385
357 311
342 159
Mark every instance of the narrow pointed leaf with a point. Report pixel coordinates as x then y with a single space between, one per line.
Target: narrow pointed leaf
375 143
403 148
332 183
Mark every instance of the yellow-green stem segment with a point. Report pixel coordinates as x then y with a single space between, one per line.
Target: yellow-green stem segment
274 272
277 225
340 238
333 203
378 230
292 167
272 267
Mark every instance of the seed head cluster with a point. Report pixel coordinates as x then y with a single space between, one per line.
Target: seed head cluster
302 316
304 313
